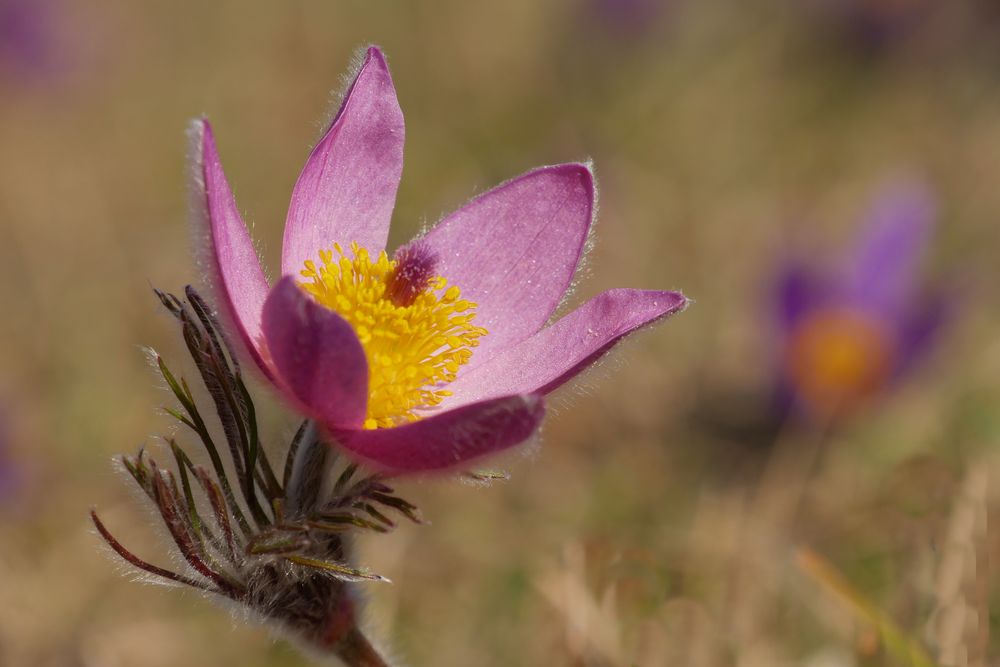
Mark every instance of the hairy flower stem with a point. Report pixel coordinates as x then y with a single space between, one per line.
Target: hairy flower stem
355 650
321 612
340 636
338 633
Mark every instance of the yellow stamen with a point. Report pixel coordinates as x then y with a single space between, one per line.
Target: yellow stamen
414 346
838 357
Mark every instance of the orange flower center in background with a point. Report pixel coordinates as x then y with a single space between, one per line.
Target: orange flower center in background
416 330
838 357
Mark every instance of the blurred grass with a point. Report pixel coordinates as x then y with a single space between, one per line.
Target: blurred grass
718 132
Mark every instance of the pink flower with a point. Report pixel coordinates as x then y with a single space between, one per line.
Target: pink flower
440 354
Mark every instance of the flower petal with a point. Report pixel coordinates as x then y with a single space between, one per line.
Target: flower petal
883 272
317 355
225 250
797 292
920 329
559 352
514 249
449 438
347 189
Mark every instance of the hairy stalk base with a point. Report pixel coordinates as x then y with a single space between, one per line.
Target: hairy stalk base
278 548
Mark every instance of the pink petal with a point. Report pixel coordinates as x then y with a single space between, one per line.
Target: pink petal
559 352
347 189
225 250
514 249
448 439
317 355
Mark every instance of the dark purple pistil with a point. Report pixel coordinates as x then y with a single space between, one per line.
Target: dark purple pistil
415 268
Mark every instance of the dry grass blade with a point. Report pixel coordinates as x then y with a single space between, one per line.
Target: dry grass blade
592 628
959 626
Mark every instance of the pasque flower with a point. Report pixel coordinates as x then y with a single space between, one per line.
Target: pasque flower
849 333
10 473
29 44
626 17
439 353
877 23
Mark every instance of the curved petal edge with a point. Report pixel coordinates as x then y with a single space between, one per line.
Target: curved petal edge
883 273
347 188
515 249
225 252
564 349
448 439
317 356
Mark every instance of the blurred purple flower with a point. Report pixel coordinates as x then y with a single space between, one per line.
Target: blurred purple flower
875 24
379 351
849 334
10 473
625 17
28 38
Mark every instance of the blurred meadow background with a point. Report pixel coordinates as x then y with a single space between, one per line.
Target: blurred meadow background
668 517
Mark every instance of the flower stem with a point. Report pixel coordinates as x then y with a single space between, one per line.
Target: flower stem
356 651
338 634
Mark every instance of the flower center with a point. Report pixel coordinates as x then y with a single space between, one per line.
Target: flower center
838 357
416 330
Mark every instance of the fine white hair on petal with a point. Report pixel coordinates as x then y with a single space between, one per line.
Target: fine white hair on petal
336 97
583 266
203 245
529 449
597 372
200 224
504 462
